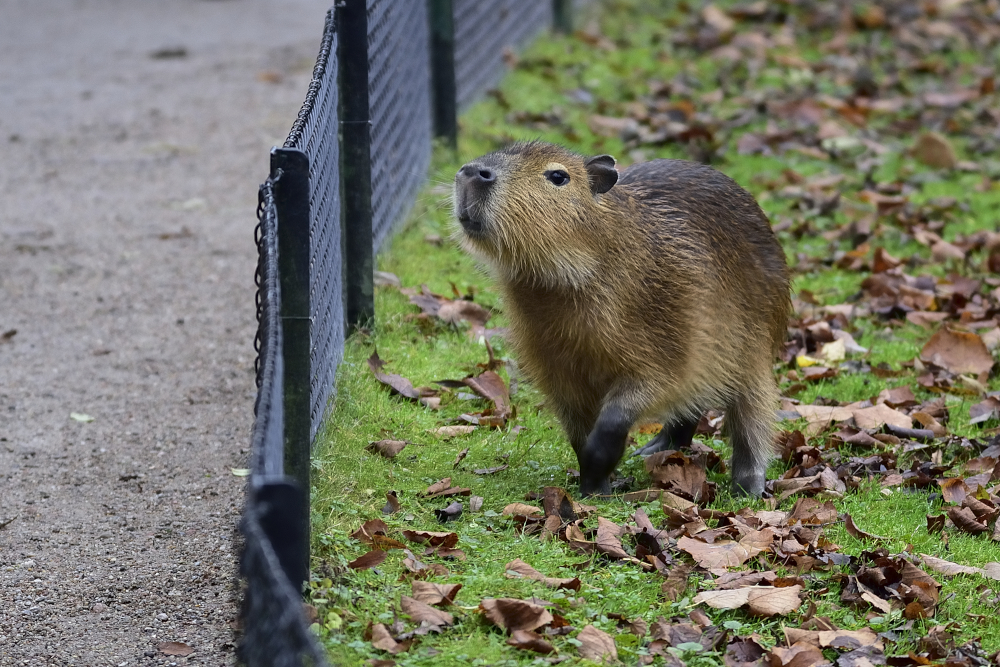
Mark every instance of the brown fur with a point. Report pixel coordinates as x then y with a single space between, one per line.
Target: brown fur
655 300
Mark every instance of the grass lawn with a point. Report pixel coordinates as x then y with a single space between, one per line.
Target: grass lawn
770 97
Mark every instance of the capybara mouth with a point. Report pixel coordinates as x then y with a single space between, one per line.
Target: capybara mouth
471 226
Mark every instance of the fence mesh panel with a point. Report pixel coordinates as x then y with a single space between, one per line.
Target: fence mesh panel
274 628
483 30
316 133
399 98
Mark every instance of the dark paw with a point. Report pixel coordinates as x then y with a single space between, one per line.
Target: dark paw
595 488
752 487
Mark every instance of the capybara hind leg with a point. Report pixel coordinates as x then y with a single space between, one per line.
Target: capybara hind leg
750 424
672 436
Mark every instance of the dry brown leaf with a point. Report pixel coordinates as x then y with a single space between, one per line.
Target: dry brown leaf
421 612
721 554
596 645
856 532
521 509
174 648
452 431
797 655
370 559
953 489
733 598
382 639
947 568
849 639
387 448
966 521
432 538
761 600
435 594
527 640
491 386
957 351
879 415
397 383
517 568
677 581
934 150
609 539
512 614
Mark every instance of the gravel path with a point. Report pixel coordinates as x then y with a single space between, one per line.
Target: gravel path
133 137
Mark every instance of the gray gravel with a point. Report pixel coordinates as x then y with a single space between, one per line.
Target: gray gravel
126 269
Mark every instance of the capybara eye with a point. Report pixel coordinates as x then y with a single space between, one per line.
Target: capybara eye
557 176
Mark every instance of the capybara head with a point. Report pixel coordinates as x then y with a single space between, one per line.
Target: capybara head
532 211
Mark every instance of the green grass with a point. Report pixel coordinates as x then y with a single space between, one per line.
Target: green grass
350 483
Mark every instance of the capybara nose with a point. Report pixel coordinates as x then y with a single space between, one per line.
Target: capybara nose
477 173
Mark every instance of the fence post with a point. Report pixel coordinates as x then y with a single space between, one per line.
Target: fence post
442 22
291 199
356 164
562 16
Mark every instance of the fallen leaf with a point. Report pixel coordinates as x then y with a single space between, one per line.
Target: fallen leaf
370 559
596 645
957 351
856 532
435 594
527 640
761 600
947 568
452 431
733 598
718 555
520 509
391 503
431 538
397 383
382 639
934 150
421 612
449 513
517 568
799 654
491 386
387 448
512 614
878 416
174 648
368 529
81 417
608 539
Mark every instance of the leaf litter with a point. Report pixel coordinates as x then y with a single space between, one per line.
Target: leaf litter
918 276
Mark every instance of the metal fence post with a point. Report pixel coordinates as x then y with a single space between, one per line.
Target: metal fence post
442 23
291 198
356 164
562 16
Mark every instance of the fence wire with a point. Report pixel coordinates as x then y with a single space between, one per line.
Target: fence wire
275 631
400 101
315 132
483 32
274 628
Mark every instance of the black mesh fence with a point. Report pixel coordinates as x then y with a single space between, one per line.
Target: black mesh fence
274 628
484 31
399 81
313 271
315 132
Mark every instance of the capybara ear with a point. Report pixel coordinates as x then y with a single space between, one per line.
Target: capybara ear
602 173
